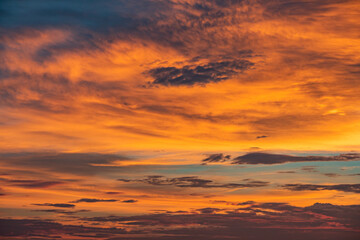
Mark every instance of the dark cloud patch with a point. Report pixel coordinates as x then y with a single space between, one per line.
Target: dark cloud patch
354 188
217 157
268 158
233 203
208 210
199 74
114 193
264 158
286 172
192 182
246 203
58 205
93 200
130 201
262 136
173 212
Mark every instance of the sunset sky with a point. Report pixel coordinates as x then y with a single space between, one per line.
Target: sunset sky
180 119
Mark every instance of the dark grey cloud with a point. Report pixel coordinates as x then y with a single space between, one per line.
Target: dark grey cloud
93 200
114 193
193 182
130 201
234 203
217 157
58 205
199 74
268 158
208 210
262 136
264 158
246 203
354 188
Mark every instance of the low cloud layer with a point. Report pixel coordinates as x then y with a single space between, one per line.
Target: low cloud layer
252 220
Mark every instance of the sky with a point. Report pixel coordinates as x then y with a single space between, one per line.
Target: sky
180 119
